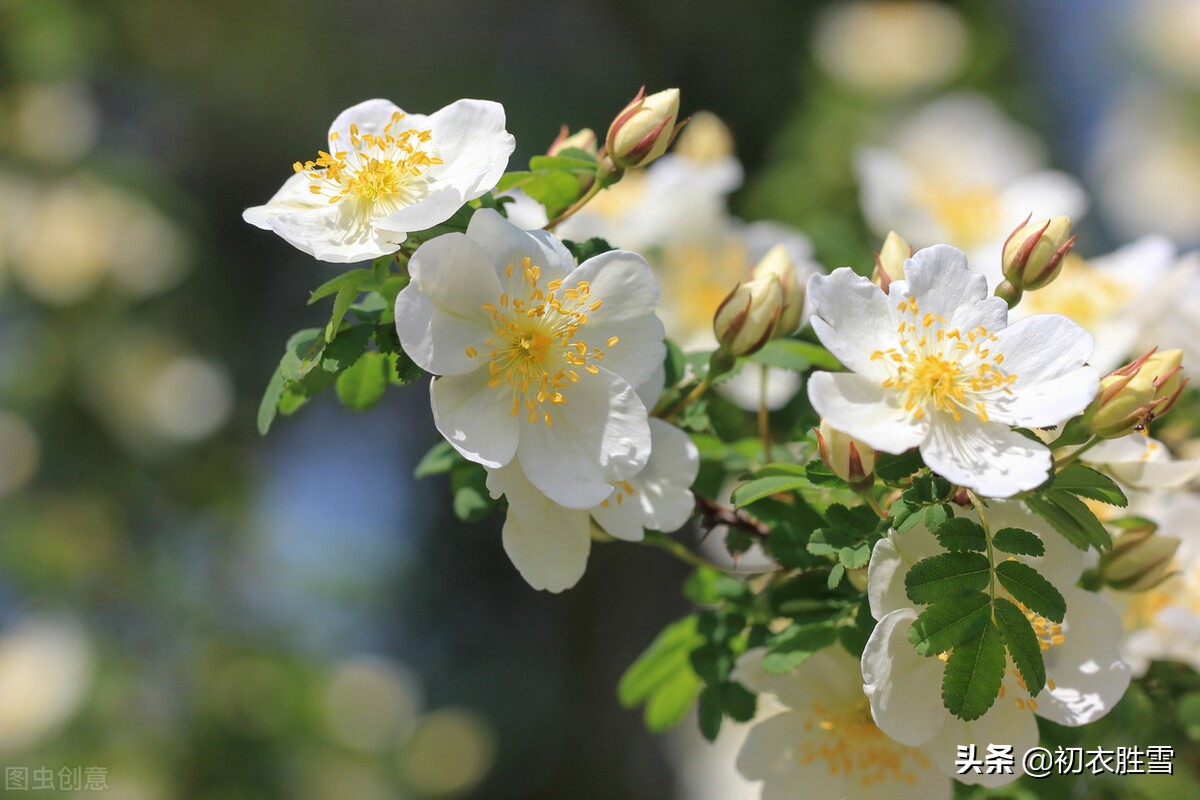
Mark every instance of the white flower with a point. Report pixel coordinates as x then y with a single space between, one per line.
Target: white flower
1085 675
387 173
824 743
537 358
958 171
1142 463
549 544
935 365
1169 319
1112 297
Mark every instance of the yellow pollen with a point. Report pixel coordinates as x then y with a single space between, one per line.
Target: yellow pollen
471 352
849 744
378 167
536 341
941 372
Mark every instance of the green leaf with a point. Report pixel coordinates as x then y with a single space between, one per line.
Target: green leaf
949 622
835 576
362 385
896 468
582 251
554 189
904 516
709 587
712 662
1031 590
738 703
673 364
440 459
711 712
961 533
795 355
760 488
821 475
1090 483
793 647
1059 519
937 515
347 280
1093 529
564 163
973 674
943 576
346 348
472 501
674 643
1018 542
341 304
1022 644
269 404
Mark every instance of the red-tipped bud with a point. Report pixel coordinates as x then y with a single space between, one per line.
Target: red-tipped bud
644 129
889 261
1034 252
848 458
1133 396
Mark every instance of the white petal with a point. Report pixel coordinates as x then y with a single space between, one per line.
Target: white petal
650 390
470 138
1142 462
988 457
1046 352
292 196
341 233
370 116
475 418
599 435
441 313
770 750
548 544
1043 194
850 316
904 687
939 279
1061 564
506 244
428 210
890 561
662 498
865 410
628 292
1087 669
1003 724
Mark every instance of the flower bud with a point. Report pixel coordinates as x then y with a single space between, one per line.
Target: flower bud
582 139
848 458
644 129
706 139
747 318
777 262
1034 252
1139 560
1135 395
889 261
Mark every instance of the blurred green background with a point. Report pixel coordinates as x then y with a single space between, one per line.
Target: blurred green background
204 613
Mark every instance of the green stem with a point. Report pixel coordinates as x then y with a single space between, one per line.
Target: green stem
1075 454
690 398
874 504
677 549
987 536
578 204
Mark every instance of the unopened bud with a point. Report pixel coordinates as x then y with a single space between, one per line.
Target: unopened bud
1133 396
848 458
644 129
747 318
1034 252
582 139
1138 561
889 261
705 139
777 262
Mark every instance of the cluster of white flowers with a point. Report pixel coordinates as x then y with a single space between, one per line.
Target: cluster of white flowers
549 374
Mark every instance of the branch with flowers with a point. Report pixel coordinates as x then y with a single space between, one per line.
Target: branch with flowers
904 557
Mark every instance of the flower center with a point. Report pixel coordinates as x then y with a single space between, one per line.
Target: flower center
942 368
970 216
536 349
621 490
1085 294
849 743
377 167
